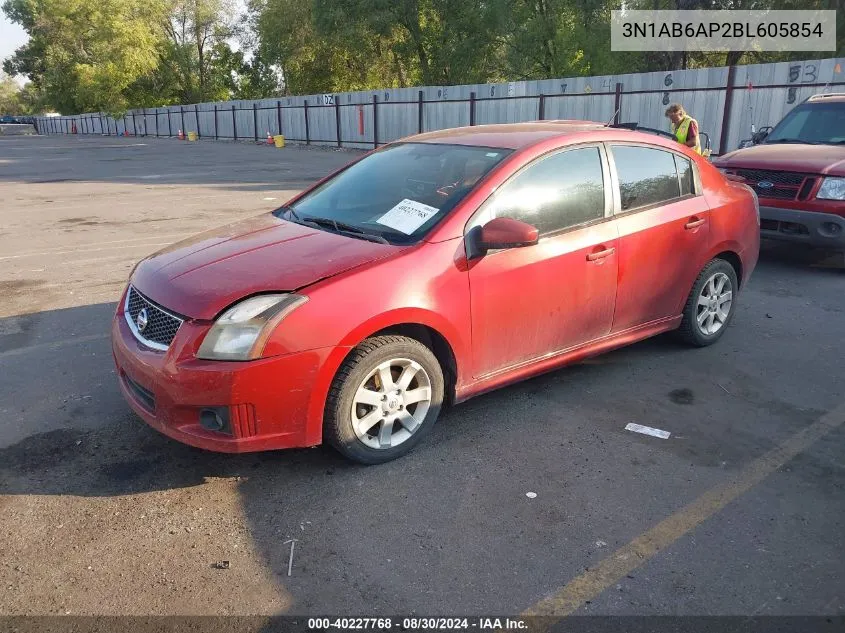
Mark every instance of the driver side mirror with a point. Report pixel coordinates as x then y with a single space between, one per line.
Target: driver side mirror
500 233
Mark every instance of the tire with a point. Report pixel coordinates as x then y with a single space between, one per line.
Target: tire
717 314
400 415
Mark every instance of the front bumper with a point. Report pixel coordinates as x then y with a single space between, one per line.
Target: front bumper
822 230
267 400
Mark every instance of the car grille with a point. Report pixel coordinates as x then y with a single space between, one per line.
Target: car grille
160 326
785 185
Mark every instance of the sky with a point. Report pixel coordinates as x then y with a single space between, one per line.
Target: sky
11 37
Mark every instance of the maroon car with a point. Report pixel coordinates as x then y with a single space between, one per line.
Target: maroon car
798 172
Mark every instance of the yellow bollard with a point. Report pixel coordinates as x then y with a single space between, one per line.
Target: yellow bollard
192 136
279 140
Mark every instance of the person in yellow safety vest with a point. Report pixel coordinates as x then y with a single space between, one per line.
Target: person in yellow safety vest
684 127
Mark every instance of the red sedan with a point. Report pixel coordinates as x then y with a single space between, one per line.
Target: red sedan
427 272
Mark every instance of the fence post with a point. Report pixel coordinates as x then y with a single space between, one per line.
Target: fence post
134 125
420 112
726 111
307 131
472 108
541 107
215 122
182 113
144 114
156 123
279 115
255 120
197 117
617 103
169 128
375 121
234 124
337 118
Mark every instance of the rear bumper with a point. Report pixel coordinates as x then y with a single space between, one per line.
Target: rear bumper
821 230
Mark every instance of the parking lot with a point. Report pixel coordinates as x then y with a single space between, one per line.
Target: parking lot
740 512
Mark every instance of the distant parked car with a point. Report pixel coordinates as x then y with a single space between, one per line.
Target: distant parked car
429 271
7 118
798 171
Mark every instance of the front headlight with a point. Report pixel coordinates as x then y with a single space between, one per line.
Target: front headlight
241 332
832 189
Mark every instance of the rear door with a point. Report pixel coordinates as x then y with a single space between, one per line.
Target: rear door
534 301
664 226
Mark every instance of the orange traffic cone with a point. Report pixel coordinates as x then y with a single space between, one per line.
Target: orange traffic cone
125 132
181 135
269 138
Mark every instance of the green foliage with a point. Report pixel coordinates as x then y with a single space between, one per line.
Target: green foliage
110 55
10 97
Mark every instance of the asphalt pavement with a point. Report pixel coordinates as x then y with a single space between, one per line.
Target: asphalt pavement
742 507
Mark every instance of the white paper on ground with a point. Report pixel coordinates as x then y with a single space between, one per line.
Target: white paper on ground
407 216
647 430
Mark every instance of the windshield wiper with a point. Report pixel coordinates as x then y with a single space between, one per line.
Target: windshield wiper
339 227
342 227
791 140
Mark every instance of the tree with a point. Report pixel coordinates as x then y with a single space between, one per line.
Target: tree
10 96
84 54
198 57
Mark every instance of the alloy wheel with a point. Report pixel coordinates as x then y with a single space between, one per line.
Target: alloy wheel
391 403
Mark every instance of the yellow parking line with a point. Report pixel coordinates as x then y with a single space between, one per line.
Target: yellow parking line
627 558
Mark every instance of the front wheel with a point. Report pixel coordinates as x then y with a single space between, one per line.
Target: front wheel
711 304
385 398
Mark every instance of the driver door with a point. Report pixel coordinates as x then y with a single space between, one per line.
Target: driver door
535 301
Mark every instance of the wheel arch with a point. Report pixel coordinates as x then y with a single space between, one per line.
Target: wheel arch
427 327
735 261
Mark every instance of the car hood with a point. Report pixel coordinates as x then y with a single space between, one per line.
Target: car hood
811 159
201 276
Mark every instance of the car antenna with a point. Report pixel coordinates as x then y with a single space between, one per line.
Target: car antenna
613 117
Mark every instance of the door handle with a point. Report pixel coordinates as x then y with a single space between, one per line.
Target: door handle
694 223
591 257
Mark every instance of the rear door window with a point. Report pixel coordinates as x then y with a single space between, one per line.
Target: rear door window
685 175
647 176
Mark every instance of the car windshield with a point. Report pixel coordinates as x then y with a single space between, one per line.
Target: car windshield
814 123
396 194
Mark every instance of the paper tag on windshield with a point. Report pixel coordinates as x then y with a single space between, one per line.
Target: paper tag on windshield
407 216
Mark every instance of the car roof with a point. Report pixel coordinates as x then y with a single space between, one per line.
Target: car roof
833 97
506 135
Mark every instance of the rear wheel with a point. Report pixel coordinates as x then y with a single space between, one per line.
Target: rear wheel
385 398
710 306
